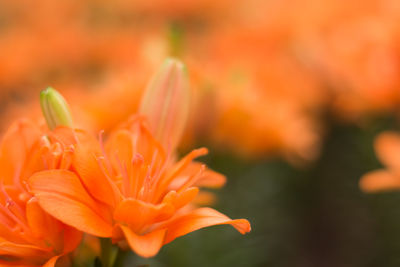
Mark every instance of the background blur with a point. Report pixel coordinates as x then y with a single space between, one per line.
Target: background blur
288 95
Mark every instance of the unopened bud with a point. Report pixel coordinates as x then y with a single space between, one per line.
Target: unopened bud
166 102
54 108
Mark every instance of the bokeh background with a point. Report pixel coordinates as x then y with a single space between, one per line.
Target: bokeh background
288 95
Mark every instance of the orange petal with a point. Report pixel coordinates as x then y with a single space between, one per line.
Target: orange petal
6 263
51 262
43 225
15 146
5 229
200 218
72 239
205 198
23 251
144 142
119 146
182 199
138 214
387 146
208 178
380 180
61 194
92 175
146 245
64 134
174 179
211 179
7 223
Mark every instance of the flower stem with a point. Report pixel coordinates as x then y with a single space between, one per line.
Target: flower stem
119 262
109 252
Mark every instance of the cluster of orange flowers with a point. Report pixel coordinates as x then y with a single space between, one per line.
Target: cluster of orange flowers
264 75
127 185
263 69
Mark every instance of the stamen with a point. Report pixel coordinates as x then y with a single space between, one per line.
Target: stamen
56 140
15 218
45 163
9 202
146 184
135 138
194 178
5 224
146 189
153 161
137 163
17 180
124 174
44 141
115 189
179 167
66 159
164 166
103 151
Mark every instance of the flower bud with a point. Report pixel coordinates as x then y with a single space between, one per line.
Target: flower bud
166 102
55 108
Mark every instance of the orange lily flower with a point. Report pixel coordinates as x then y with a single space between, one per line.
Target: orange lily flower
131 188
28 235
387 147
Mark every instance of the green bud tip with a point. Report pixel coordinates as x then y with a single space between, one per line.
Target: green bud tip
55 108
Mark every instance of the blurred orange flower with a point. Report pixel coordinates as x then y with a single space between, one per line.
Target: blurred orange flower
260 97
387 147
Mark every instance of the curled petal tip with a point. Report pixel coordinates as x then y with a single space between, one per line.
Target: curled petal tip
243 226
54 108
379 181
387 147
166 102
